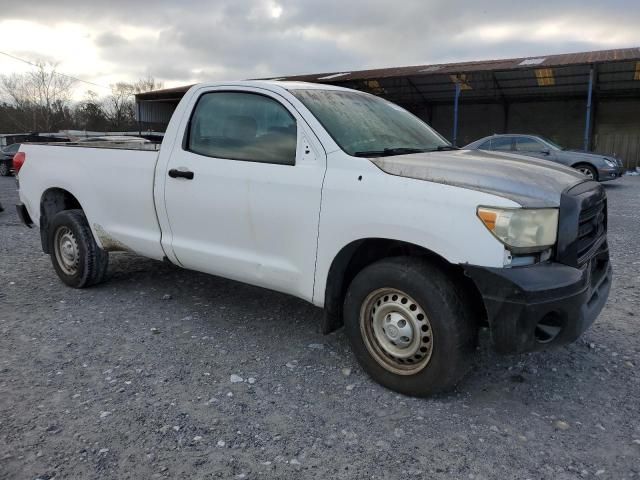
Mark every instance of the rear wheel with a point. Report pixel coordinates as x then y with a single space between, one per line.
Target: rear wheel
5 168
410 326
588 171
76 257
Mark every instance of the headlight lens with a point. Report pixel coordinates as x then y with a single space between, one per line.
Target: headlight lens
522 230
609 162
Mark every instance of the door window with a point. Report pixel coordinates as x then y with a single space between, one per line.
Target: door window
243 126
526 144
501 143
485 145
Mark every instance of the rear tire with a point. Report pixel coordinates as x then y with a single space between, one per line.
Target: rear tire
76 257
5 168
410 326
588 171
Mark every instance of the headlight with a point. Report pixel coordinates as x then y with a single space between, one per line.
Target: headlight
609 162
522 230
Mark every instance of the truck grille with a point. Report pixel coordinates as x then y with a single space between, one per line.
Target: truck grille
582 228
592 227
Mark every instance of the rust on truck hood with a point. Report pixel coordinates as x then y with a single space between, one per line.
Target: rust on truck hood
531 182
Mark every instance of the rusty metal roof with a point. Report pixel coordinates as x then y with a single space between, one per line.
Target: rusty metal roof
165 95
492 80
601 56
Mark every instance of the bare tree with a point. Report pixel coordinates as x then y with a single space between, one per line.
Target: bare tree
120 105
15 89
147 84
40 100
52 92
43 92
89 113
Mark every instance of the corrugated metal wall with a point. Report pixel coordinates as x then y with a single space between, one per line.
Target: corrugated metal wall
617 130
616 123
623 145
155 115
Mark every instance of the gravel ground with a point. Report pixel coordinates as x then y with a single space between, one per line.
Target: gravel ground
166 373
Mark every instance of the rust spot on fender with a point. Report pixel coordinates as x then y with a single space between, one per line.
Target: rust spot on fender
109 243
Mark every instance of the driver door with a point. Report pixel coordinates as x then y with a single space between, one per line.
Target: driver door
533 148
242 192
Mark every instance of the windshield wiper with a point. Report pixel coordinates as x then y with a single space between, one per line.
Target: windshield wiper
387 152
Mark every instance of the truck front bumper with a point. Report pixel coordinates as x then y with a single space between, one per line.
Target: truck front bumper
534 307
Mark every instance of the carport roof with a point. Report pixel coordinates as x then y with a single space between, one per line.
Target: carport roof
522 63
164 95
616 73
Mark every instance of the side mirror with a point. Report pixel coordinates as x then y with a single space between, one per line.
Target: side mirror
546 151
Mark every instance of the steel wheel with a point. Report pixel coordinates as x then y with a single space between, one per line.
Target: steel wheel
66 250
588 172
396 331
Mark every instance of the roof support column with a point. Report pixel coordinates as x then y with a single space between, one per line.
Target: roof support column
505 118
455 115
587 123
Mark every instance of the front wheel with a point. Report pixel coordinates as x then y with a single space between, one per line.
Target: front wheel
76 257
588 171
410 326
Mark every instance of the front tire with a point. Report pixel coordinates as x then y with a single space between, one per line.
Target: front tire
76 257
410 326
588 171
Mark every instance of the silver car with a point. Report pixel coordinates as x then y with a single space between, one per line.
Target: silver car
593 165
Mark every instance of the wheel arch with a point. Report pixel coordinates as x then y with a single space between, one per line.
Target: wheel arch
586 163
358 254
53 201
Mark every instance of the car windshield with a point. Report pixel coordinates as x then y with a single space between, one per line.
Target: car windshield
366 125
11 148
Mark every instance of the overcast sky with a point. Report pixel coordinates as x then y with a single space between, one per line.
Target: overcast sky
181 42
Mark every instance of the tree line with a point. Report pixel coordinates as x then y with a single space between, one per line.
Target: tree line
41 101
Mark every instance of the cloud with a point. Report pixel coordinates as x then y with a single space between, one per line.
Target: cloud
232 39
110 40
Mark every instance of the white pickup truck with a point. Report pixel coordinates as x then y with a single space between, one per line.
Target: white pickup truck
349 202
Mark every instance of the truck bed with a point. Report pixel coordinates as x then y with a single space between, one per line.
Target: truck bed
116 183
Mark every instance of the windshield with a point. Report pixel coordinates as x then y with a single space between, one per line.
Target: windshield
11 148
363 124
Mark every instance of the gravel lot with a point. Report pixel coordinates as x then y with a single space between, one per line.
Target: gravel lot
167 373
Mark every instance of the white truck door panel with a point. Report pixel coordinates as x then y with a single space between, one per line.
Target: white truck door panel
252 221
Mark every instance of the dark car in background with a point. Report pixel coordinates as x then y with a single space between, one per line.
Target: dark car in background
6 159
593 165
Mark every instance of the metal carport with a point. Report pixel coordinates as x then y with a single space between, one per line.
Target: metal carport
588 100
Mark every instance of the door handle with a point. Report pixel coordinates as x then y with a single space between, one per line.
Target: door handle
174 173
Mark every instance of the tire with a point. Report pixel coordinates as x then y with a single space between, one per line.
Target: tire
588 171
436 309
76 257
5 168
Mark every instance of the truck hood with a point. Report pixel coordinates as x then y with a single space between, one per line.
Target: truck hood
528 181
